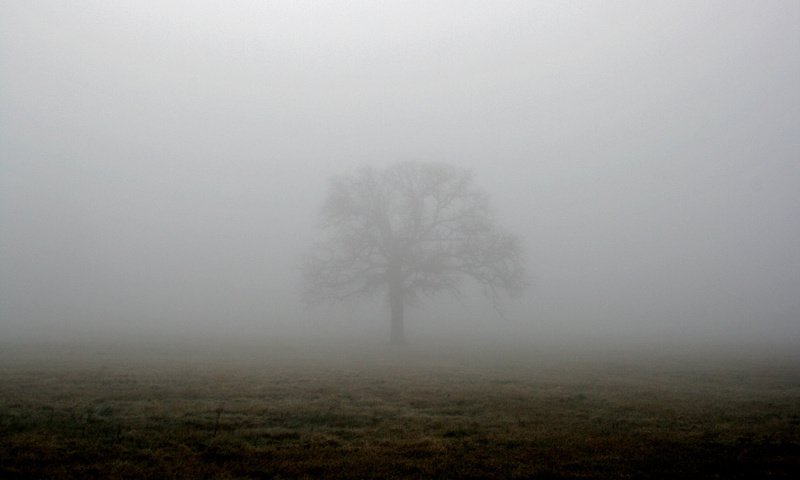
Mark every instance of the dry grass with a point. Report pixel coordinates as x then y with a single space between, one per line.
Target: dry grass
77 412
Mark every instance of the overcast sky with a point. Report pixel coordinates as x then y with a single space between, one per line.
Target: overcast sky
162 164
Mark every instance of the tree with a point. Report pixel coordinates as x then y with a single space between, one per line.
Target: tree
410 230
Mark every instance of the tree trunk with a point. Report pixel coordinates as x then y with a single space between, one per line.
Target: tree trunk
396 306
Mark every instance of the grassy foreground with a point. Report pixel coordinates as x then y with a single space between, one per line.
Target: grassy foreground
285 412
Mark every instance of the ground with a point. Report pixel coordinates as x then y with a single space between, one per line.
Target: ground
205 410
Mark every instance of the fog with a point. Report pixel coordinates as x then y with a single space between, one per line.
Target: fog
162 164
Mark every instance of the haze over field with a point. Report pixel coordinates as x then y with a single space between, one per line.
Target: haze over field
162 165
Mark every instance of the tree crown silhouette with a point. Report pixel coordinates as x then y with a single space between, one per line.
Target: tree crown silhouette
410 230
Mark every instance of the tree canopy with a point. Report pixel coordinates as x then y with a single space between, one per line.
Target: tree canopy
410 230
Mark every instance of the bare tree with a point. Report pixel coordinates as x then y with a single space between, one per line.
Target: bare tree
410 230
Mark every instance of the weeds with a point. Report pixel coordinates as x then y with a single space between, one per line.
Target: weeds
400 420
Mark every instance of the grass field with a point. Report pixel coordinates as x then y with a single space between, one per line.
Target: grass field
211 411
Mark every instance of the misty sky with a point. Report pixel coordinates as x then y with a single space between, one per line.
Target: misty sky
162 163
